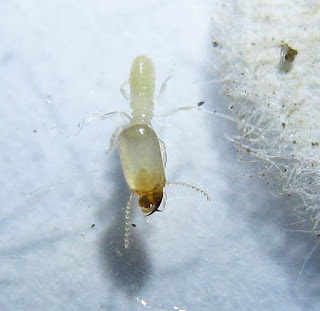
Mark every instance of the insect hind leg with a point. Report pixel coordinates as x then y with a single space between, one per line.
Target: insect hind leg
164 84
125 94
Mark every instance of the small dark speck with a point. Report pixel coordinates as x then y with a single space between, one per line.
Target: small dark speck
201 103
133 225
315 144
93 225
294 142
215 44
34 131
283 125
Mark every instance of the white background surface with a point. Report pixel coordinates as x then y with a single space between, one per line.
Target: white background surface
61 62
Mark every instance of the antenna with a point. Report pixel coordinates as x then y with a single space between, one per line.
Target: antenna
178 183
128 222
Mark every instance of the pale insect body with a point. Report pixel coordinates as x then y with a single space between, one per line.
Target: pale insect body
142 152
139 147
142 165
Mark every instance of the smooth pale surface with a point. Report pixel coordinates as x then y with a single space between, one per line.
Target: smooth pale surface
141 159
142 85
61 61
142 79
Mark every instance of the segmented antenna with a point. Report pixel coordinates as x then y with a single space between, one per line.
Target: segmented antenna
128 222
178 183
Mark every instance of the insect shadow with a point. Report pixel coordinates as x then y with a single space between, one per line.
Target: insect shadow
128 269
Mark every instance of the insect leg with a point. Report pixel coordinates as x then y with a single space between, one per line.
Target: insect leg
125 94
96 117
164 84
113 139
180 109
110 114
163 151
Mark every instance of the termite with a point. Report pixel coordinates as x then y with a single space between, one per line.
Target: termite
142 152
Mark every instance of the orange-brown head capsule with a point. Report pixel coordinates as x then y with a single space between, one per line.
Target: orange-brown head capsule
150 203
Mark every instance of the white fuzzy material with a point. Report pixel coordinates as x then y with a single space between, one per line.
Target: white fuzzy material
277 112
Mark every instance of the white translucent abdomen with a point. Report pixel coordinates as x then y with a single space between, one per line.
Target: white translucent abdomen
141 159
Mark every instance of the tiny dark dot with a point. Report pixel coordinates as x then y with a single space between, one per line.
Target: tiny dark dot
93 225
